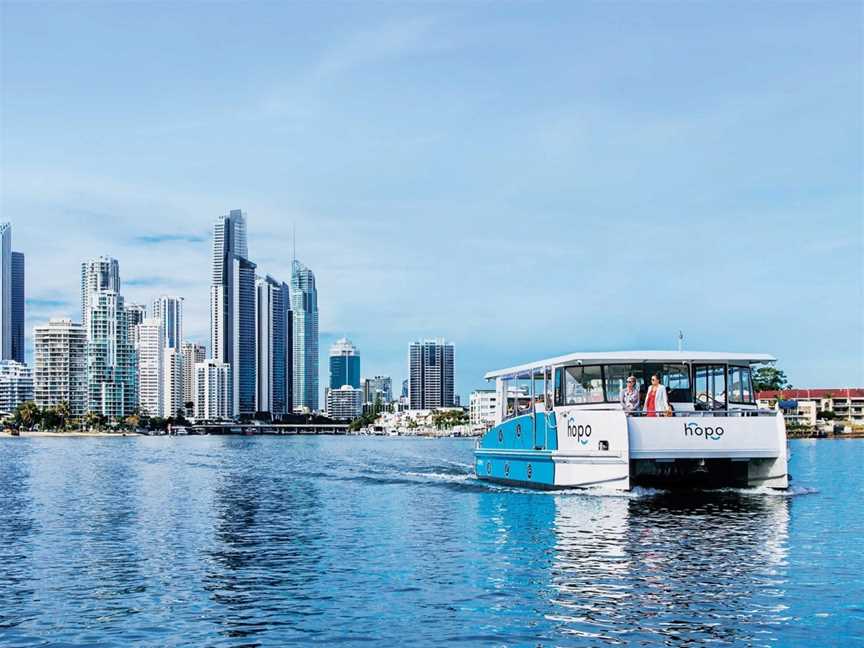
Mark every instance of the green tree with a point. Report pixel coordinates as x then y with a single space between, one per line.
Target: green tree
51 419
769 379
27 414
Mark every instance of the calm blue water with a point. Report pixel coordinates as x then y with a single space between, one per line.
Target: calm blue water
268 541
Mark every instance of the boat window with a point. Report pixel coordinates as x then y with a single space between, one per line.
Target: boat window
559 386
583 385
676 378
616 379
740 385
710 387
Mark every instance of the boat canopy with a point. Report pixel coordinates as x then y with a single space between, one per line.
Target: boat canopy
624 357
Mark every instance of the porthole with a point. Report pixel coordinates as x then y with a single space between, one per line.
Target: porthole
488 467
518 430
529 471
500 436
507 469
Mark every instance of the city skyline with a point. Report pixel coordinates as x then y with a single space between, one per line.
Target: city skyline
414 207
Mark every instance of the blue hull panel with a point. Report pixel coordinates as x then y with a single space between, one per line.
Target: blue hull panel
533 470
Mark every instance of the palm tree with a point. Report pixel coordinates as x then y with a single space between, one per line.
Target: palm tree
27 414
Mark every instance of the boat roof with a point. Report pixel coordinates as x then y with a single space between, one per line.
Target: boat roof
593 357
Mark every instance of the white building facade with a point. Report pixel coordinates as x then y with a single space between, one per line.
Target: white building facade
60 365
482 408
172 383
192 354
169 311
213 391
150 357
345 403
16 385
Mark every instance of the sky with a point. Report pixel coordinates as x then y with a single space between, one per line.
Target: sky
522 179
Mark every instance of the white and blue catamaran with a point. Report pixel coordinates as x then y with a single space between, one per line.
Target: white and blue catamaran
559 424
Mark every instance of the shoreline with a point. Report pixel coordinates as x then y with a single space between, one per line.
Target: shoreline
65 433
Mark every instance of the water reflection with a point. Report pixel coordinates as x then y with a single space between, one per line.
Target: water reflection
664 568
268 536
17 528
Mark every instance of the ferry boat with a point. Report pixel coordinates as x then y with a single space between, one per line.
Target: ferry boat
559 424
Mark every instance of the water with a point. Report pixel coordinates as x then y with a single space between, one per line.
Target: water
230 541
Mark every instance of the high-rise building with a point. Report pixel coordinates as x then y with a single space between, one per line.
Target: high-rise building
344 364
111 358
11 298
192 354
430 382
16 385
304 308
378 389
273 351
169 310
60 365
212 391
135 314
18 301
344 403
150 356
172 382
98 275
5 291
232 309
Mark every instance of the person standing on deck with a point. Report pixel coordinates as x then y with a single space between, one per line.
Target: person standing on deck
629 397
656 400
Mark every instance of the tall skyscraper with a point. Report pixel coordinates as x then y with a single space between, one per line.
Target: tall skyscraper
11 298
18 300
169 310
232 309
273 352
150 356
304 308
60 365
344 364
192 355
430 382
212 391
5 291
98 275
111 358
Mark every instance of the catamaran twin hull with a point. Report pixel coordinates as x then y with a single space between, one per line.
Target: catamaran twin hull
552 444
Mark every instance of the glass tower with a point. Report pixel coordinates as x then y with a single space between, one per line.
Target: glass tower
344 364
304 307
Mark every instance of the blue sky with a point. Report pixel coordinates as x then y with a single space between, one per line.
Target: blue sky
524 179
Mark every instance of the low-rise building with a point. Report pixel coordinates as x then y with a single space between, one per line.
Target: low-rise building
16 385
482 407
345 403
806 406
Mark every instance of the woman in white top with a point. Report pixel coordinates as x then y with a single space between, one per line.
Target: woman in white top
656 400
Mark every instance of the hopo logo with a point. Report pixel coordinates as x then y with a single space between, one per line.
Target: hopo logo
712 433
579 432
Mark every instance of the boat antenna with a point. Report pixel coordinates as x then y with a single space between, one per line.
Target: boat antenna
680 341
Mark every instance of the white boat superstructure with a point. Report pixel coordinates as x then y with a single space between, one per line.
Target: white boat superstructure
561 424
